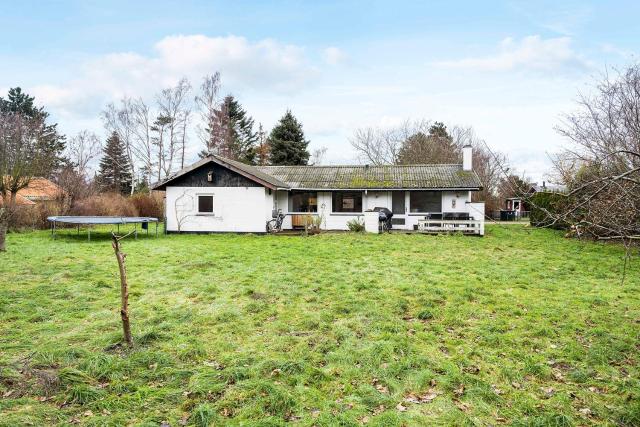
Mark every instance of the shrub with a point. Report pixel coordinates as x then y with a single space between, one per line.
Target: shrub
151 205
356 225
552 202
107 204
35 216
312 224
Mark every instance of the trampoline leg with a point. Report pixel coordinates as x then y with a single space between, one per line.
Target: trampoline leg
156 229
136 230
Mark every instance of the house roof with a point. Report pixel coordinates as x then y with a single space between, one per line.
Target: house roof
243 169
445 176
39 189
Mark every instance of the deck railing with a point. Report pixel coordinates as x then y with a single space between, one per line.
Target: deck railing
450 226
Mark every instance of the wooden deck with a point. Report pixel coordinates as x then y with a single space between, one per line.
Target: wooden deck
436 226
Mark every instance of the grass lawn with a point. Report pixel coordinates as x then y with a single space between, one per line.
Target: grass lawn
521 327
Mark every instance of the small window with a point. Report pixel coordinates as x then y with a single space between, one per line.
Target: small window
347 201
425 201
205 204
303 202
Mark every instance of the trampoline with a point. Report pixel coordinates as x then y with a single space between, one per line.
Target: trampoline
102 220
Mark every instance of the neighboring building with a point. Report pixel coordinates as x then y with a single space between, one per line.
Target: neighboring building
221 195
520 206
40 191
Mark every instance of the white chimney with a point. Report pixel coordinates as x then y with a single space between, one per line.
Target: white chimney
467 157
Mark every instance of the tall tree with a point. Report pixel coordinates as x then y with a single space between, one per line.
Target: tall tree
207 103
50 142
262 149
287 143
434 146
22 156
115 170
231 133
243 138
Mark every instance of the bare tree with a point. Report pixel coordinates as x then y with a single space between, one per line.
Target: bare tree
208 103
601 168
142 140
124 287
262 149
82 149
22 157
376 145
172 107
317 156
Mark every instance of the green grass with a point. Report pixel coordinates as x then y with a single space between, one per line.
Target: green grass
521 327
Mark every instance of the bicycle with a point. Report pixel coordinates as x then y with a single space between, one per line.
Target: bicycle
274 225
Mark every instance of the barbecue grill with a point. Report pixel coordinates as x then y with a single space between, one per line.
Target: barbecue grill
384 217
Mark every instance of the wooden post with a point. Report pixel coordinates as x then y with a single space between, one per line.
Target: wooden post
124 289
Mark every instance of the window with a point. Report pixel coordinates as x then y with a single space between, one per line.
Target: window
347 201
425 201
205 204
303 202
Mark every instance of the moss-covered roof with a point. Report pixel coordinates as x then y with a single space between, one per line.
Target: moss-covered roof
375 177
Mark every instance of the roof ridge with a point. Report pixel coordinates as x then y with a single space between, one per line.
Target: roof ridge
357 166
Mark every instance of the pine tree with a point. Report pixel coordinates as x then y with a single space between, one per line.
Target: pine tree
115 170
287 143
50 141
244 137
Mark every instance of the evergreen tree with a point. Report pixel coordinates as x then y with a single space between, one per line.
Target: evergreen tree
435 147
286 142
232 133
115 170
50 141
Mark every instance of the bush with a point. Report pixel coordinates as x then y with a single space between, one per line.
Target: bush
552 202
151 205
108 204
356 225
35 216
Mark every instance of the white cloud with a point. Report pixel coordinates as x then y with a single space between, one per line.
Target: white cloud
334 55
265 65
530 53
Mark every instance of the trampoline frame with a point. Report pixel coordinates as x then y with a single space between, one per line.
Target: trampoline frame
101 220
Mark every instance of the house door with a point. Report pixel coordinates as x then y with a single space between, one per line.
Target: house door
398 208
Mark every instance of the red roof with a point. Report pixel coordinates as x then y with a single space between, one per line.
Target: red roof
39 189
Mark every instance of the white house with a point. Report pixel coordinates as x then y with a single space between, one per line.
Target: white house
222 195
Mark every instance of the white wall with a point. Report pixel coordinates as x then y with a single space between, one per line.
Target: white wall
372 199
457 198
236 209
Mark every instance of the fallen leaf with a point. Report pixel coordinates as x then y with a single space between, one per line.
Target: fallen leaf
585 411
88 413
459 391
472 369
400 407
464 407
548 391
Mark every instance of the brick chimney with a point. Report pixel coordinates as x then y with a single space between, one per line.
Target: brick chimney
467 157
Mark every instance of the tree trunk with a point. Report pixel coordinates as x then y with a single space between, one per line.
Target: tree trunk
4 225
124 290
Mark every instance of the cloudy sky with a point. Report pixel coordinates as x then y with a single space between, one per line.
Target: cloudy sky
507 68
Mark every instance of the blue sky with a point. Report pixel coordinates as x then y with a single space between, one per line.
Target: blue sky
509 69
